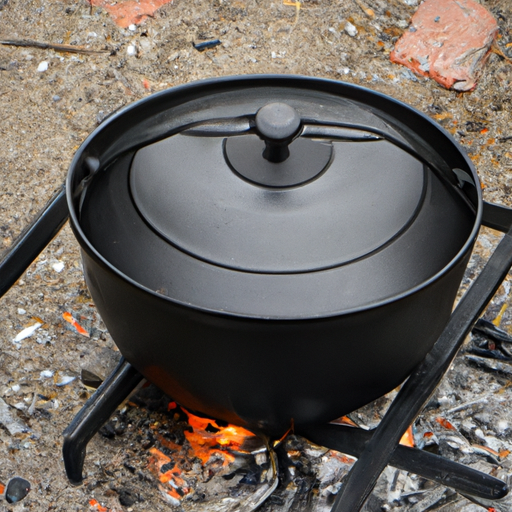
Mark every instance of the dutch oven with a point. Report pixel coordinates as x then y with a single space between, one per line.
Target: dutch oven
271 250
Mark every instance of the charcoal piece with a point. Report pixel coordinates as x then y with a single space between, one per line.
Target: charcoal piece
90 379
120 428
253 475
492 332
16 489
108 430
212 429
129 467
127 497
474 126
167 467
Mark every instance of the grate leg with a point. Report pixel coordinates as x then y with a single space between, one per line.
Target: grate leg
96 411
458 477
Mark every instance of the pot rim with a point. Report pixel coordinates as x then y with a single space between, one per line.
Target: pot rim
198 87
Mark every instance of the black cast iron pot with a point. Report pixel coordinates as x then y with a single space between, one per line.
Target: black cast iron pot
273 249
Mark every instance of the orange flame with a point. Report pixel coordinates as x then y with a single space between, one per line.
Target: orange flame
408 438
445 423
205 443
96 506
69 318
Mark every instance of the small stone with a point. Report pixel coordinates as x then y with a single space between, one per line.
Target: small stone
58 266
16 489
131 50
350 29
43 66
132 27
56 97
502 426
127 497
65 380
22 311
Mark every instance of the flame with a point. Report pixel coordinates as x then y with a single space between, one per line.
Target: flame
210 442
408 438
209 438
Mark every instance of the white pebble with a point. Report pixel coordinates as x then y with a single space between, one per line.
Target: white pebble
58 267
502 425
132 27
25 333
46 374
65 379
131 50
43 66
350 29
22 311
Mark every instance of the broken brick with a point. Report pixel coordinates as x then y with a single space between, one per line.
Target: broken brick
130 12
448 41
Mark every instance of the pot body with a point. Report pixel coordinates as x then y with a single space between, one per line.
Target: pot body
265 349
266 374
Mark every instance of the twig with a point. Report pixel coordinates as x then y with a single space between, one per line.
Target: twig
297 5
369 12
68 48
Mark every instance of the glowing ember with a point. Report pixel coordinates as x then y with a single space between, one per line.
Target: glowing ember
209 438
345 420
345 459
211 443
97 507
408 438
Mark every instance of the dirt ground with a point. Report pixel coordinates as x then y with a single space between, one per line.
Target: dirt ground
47 110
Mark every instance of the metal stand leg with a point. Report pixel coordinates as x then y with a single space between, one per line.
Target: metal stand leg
460 478
94 414
422 383
27 247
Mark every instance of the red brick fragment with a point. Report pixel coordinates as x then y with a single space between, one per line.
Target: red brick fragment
449 41
130 12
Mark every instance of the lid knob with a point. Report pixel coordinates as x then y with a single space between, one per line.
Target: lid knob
277 124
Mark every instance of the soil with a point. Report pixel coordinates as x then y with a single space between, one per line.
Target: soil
51 100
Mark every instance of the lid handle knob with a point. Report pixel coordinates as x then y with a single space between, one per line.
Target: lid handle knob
277 124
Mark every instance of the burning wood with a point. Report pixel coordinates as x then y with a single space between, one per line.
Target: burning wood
202 464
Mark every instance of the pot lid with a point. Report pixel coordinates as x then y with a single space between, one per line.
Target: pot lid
287 198
349 201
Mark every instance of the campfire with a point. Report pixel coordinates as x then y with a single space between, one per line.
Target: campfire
199 463
202 464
